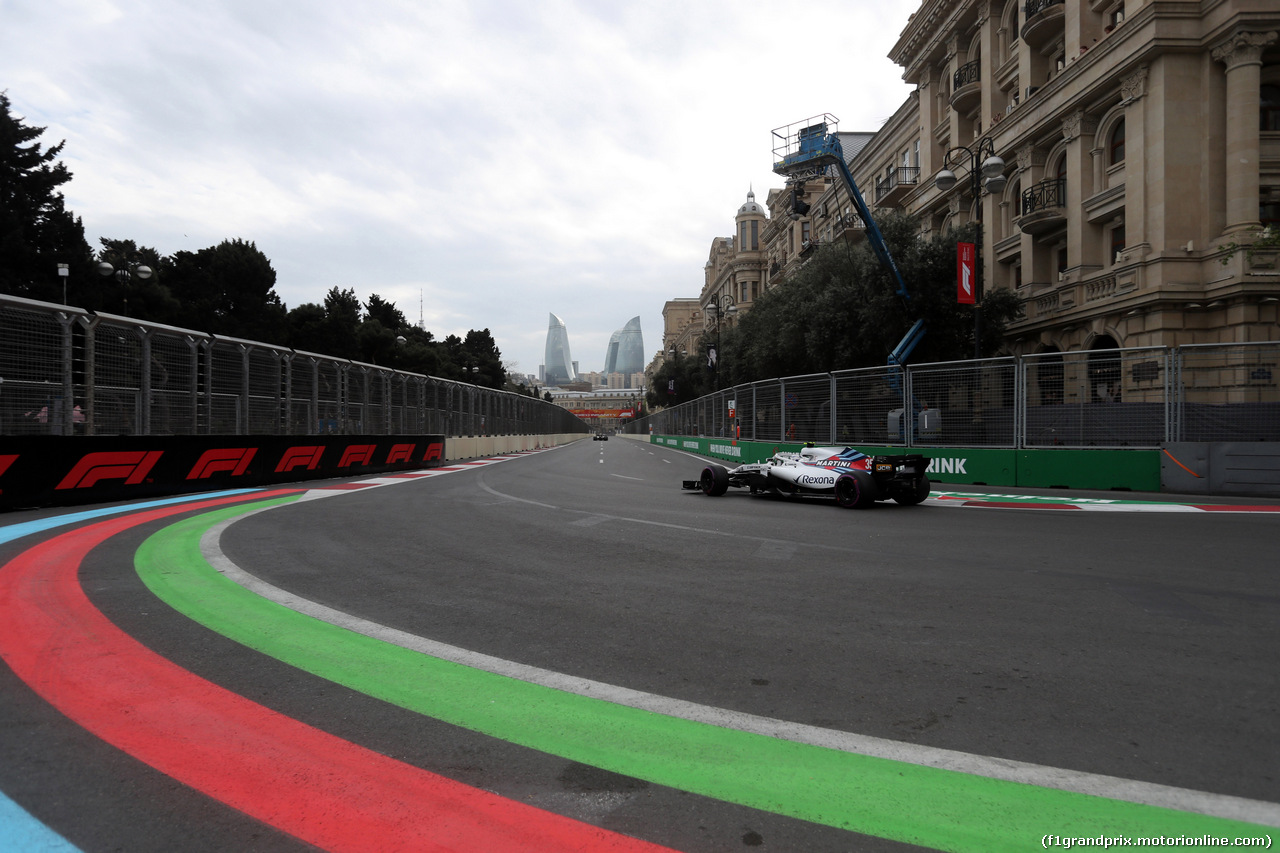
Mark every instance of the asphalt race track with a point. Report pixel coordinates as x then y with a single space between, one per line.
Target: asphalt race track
562 650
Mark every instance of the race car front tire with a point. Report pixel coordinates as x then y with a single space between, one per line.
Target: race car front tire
856 490
714 480
918 492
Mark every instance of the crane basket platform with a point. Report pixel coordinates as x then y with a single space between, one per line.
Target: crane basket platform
804 149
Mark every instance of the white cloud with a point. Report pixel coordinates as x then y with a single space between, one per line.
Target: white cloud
504 159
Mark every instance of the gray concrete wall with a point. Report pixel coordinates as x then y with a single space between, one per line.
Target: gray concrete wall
1221 468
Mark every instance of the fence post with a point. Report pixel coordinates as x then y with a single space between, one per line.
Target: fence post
831 407
90 383
144 381
68 390
1019 403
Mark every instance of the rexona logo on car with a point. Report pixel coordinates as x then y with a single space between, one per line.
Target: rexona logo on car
726 450
357 454
295 456
400 453
233 459
132 466
813 480
435 450
946 465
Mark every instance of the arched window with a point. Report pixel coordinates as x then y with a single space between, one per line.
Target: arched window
1269 108
1116 144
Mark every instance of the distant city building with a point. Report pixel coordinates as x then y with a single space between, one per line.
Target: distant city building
625 354
605 409
558 367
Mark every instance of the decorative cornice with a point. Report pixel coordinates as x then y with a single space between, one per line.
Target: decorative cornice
1243 49
1028 156
1134 86
1078 123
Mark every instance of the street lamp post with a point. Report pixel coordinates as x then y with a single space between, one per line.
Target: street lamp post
719 308
125 272
984 172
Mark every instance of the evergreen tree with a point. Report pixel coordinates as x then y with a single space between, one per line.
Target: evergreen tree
228 289
37 232
841 310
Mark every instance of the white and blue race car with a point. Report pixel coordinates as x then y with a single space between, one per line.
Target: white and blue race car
853 478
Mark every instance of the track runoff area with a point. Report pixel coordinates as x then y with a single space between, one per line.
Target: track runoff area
338 795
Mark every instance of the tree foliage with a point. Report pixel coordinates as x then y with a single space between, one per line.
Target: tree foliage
841 310
680 379
227 289
37 232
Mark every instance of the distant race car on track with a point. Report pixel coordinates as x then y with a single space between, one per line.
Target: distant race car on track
854 479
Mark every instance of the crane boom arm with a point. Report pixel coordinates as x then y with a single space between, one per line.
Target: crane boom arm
810 151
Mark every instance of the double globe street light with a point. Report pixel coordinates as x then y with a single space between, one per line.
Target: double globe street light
985 172
719 307
125 272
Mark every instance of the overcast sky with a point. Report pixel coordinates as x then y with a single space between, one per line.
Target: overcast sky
502 159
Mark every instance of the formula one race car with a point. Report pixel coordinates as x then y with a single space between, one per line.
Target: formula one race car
854 479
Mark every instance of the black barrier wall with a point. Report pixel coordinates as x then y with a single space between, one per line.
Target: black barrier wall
64 470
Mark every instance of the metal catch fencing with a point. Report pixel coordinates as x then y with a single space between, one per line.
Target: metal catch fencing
66 371
1142 397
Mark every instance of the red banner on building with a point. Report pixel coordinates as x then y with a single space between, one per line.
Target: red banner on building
966 274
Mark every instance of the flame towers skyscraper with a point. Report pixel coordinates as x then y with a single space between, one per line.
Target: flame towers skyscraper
626 350
557 364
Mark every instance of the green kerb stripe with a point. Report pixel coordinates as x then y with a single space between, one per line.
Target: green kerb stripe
936 808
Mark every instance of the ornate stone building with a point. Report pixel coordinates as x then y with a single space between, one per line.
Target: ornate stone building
734 274
1141 151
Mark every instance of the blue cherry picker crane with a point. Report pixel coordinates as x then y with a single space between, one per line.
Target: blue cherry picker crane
807 150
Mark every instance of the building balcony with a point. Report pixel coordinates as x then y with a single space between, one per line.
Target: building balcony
1043 207
966 87
891 189
1045 21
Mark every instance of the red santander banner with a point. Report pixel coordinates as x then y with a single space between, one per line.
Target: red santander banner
966 274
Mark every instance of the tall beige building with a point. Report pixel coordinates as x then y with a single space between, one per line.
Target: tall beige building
1141 152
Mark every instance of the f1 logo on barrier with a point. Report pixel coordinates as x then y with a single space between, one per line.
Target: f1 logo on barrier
130 465
233 459
295 456
357 454
399 453
434 451
6 460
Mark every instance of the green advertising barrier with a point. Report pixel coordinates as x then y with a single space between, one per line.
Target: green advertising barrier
1134 470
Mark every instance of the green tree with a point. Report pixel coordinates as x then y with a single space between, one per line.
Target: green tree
385 312
307 328
680 379
228 289
342 323
37 232
841 309
481 351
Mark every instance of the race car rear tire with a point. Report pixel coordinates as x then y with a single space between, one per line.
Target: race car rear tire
714 480
855 490
919 491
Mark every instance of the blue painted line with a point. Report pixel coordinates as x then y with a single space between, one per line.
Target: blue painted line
26 528
19 831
